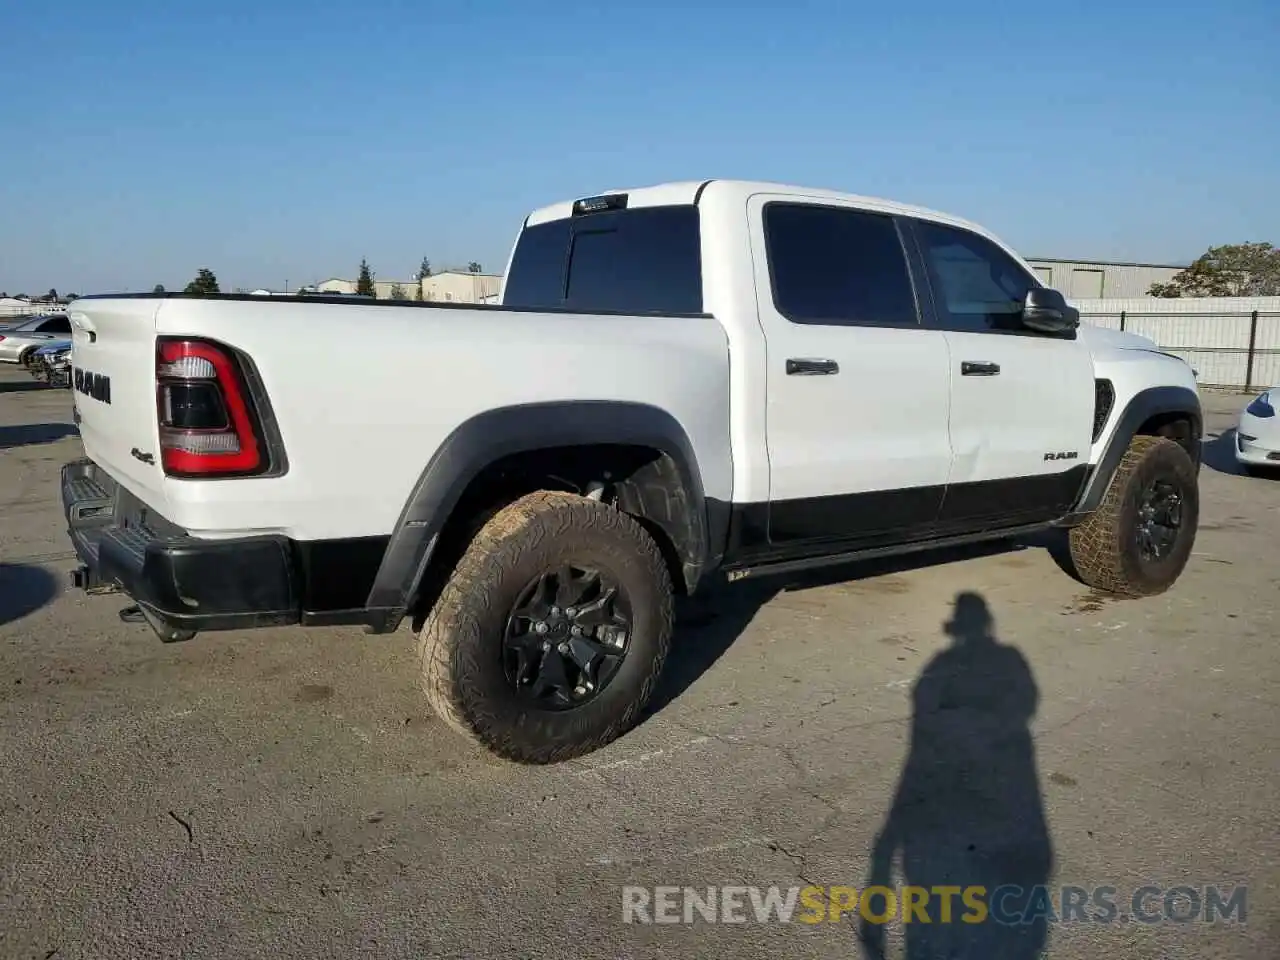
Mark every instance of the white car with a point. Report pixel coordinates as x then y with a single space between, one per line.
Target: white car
683 380
1258 434
22 340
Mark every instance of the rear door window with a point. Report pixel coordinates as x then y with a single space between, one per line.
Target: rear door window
837 266
643 260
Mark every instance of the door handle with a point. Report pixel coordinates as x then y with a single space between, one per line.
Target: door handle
803 367
979 368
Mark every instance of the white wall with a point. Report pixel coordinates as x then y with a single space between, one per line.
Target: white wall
1081 278
446 286
13 307
1212 333
460 287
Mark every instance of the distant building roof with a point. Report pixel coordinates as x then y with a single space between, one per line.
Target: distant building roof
1108 263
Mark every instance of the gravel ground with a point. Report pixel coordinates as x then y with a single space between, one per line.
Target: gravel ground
284 793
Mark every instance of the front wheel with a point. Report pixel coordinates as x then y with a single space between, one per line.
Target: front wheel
1139 539
549 637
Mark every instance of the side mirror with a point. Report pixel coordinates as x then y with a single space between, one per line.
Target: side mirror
1047 311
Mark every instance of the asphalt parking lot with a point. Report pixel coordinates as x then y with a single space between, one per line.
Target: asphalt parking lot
284 793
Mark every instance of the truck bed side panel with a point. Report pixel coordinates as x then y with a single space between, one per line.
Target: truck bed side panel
364 394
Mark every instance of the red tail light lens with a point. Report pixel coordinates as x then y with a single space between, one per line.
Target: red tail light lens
207 423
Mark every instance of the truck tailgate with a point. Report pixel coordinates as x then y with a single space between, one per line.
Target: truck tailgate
113 356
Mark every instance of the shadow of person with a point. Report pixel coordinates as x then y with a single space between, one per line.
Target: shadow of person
968 810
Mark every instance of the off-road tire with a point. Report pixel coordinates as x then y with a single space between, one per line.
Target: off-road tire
1104 548
460 641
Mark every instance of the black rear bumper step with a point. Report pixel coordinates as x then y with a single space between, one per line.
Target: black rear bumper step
185 582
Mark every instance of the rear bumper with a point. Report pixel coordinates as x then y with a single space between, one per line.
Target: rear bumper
185 582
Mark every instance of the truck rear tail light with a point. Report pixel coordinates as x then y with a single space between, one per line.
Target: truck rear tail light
208 422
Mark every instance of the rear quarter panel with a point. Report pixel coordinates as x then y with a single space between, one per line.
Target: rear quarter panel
364 395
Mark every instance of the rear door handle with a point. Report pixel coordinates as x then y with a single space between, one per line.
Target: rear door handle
979 368
804 367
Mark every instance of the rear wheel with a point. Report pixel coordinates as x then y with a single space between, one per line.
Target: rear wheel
1140 538
549 637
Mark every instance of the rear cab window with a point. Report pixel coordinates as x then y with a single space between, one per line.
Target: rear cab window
637 261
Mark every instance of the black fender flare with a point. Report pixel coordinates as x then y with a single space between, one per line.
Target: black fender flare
488 437
1142 406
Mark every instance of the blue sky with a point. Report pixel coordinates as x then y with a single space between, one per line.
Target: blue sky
283 140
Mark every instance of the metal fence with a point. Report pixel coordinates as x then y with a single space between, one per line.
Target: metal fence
1238 350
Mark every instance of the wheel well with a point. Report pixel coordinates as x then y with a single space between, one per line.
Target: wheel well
1177 426
640 480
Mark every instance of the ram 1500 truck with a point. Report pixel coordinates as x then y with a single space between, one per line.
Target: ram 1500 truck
686 381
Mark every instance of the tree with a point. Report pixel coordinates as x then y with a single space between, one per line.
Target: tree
1232 270
397 293
205 282
424 271
474 267
72 296
53 295
158 288
417 295
364 283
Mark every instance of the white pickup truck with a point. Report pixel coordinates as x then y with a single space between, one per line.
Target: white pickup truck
686 380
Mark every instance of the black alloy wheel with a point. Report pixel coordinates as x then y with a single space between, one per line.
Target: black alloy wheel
1159 519
566 637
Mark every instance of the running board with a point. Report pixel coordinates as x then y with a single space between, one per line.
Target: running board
872 553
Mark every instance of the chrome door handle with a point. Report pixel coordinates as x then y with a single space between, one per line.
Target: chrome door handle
806 367
979 368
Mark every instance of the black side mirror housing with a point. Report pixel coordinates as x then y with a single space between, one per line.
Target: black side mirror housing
1047 311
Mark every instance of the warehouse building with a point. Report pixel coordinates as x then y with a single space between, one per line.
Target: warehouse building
448 286
1095 279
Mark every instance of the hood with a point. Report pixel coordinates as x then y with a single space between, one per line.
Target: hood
1114 339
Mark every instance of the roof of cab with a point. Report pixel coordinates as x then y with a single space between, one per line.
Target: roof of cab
689 191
